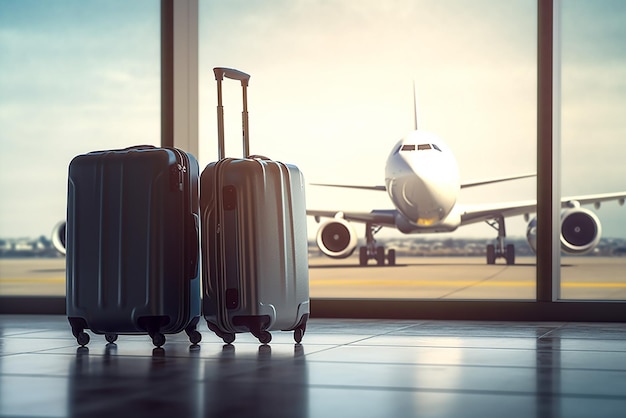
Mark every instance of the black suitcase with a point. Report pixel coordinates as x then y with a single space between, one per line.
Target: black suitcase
254 241
133 244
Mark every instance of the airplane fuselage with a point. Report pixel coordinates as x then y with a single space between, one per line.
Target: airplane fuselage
422 179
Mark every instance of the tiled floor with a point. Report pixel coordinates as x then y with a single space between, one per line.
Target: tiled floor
343 368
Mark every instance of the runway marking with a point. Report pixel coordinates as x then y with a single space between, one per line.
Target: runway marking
27 280
604 285
458 283
391 282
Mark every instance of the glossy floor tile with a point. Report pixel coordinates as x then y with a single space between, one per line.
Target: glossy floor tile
343 368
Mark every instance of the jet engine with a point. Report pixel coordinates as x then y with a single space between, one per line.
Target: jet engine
337 238
58 237
580 231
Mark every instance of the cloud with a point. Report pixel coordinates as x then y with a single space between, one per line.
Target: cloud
81 76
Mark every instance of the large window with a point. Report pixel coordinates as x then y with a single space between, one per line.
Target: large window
332 92
75 76
593 147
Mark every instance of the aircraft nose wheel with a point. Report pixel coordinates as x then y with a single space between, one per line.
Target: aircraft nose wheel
379 256
371 251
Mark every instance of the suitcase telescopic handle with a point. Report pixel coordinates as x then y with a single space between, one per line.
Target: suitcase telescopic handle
220 73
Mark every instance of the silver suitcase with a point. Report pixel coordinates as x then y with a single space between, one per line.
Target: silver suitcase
254 240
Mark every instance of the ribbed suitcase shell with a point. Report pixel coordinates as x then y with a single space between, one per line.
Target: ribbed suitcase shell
132 243
254 248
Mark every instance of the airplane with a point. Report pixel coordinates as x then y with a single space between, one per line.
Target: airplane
423 183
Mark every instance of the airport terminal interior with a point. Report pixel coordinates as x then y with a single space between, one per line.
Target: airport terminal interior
551 339
342 368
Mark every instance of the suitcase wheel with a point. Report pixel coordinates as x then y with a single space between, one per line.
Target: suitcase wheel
298 333
264 337
299 330
194 337
82 338
111 338
78 330
228 337
158 339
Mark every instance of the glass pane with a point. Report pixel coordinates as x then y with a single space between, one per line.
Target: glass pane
75 76
593 147
332 92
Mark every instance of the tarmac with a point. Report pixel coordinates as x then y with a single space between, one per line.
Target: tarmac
435 278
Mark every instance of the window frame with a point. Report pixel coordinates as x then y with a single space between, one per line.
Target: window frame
179 64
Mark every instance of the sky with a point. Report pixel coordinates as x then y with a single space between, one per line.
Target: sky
331 91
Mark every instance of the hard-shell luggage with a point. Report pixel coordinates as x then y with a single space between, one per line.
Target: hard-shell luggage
132 259
254 240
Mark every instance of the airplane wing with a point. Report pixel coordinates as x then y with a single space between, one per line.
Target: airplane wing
498 180
384 217
472 213
480 213
463 186
596 199
351 186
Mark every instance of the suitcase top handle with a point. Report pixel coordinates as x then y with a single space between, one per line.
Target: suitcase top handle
221 72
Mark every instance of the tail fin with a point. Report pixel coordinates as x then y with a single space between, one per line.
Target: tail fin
414 107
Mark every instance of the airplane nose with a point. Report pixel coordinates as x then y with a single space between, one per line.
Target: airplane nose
424 198
422 183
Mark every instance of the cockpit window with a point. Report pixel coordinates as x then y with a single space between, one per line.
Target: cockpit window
420 147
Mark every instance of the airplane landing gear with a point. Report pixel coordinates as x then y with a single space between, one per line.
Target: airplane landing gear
500 250
372 251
